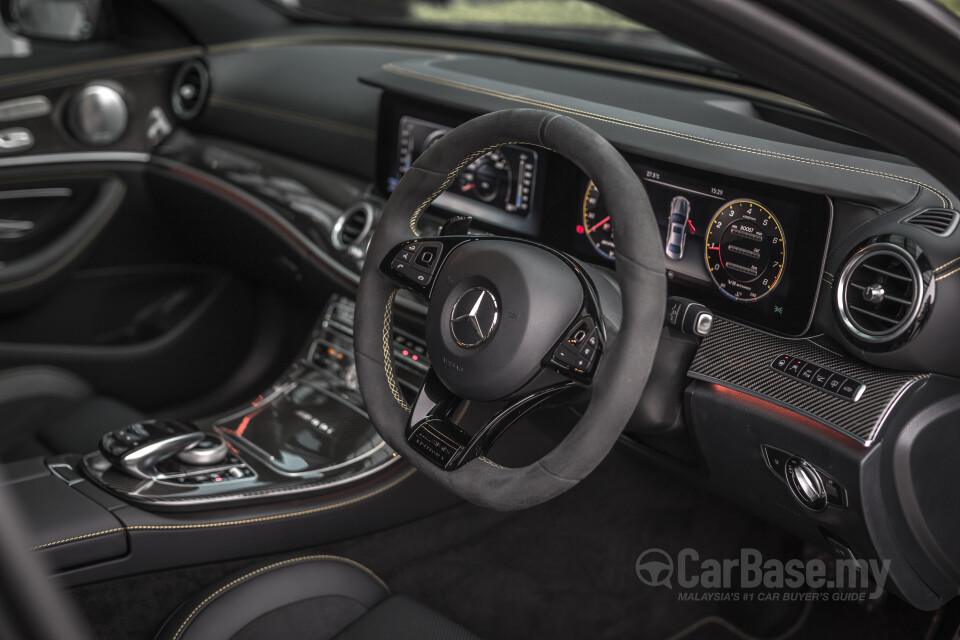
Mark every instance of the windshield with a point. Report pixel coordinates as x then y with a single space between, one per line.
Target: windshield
573 24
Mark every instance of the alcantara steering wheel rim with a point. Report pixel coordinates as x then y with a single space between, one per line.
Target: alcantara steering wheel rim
624 366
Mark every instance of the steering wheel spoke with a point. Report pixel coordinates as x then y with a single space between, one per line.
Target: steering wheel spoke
436 428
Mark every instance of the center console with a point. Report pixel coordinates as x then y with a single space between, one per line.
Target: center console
307 433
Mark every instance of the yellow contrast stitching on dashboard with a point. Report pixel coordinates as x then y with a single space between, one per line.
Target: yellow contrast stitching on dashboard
216 594
292 116
388 354
659 130
945 265
949 273
120 62
229 523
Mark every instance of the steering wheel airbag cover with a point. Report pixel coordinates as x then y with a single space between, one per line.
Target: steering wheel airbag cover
625 365
538 297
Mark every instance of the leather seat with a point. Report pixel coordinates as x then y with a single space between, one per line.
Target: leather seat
317 597
47 411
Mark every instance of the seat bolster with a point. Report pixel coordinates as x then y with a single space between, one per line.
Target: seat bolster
223 610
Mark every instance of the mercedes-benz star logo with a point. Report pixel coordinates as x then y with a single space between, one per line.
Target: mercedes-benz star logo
474 318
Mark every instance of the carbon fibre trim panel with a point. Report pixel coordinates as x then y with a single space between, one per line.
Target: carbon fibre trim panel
736 356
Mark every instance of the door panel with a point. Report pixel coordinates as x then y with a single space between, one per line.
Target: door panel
150 335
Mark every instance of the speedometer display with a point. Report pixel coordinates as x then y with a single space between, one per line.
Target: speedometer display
596 223
745 250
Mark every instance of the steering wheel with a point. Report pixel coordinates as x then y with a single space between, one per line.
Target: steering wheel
511 323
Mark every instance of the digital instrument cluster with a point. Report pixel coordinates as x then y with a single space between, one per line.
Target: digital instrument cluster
755 250
505 178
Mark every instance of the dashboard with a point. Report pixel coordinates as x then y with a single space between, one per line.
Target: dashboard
753 235
748 250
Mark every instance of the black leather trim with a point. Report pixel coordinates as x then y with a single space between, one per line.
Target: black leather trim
64 514
224 609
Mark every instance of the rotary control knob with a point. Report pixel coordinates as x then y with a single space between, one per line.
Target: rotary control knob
209 451
806 484
98 114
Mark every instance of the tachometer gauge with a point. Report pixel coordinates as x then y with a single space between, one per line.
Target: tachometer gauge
488 177
745 250
596 222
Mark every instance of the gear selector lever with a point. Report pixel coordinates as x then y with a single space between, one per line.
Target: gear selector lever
138 448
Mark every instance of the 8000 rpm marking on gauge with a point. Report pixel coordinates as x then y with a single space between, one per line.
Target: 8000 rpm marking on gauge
745 250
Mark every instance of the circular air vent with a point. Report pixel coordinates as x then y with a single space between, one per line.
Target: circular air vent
352 226
190 88
879 292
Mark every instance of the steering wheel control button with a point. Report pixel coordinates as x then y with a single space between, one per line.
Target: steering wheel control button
410 273
781 362
405 256
428 256
571 358
819 377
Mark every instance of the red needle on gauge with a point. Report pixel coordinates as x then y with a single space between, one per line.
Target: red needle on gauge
692 230
719 255
467 187
599 224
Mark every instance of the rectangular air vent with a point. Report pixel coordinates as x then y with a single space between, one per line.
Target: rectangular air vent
940 222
